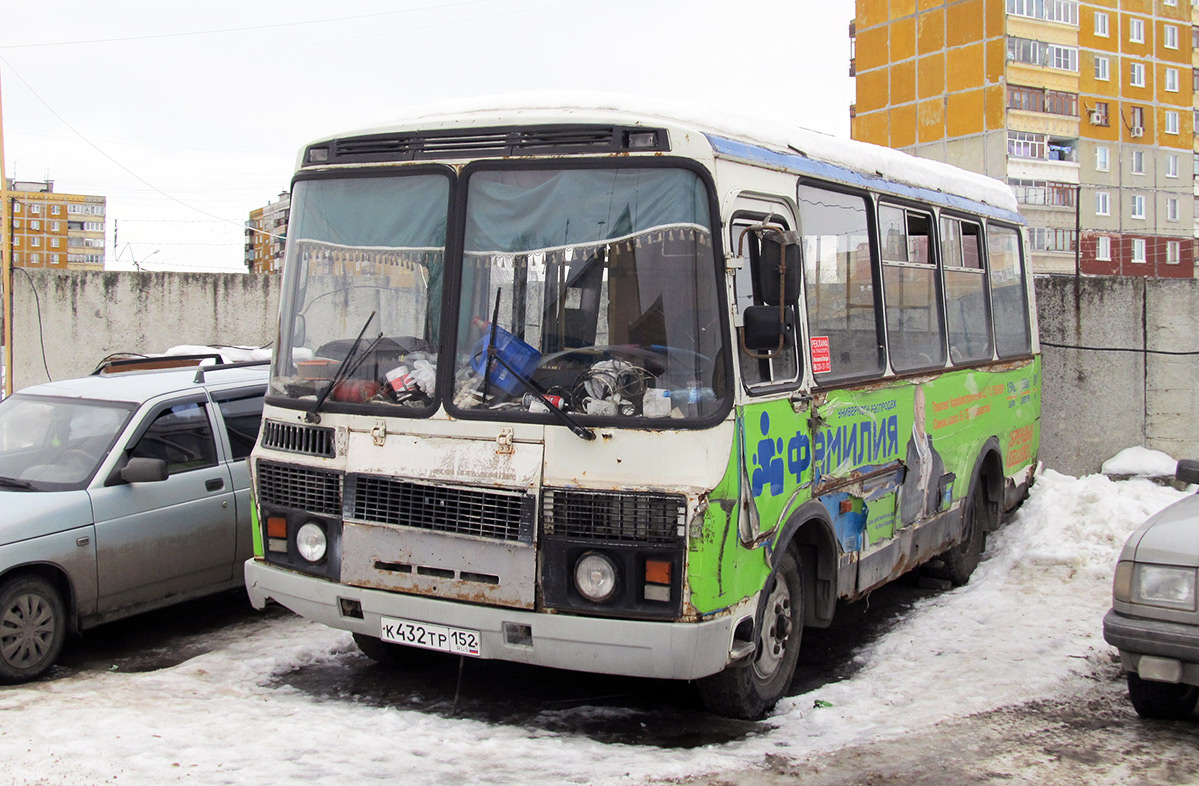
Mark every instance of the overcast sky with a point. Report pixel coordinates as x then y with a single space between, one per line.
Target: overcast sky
188 116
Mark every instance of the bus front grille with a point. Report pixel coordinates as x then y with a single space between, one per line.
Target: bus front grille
614 516
482 513
296 438
313 490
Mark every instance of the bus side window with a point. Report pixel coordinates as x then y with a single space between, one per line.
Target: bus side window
783 367
967 314
915 334
839 276
1009 295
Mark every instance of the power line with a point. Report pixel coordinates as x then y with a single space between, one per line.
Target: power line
124 168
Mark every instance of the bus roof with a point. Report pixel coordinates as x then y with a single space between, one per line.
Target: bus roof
742 137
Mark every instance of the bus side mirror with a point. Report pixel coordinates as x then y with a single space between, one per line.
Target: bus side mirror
777 265
765 330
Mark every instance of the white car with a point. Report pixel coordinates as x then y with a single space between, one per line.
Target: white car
1154 620
121 493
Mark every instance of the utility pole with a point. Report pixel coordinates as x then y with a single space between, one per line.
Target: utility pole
6 268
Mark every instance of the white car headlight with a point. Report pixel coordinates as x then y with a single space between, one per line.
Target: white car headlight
1164 585
311 542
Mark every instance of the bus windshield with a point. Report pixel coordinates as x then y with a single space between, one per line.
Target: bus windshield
362 290
598 289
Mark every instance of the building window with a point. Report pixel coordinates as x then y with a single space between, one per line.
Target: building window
1136 31
1171 36
36 242
1138 206
1103 248
1171 122
1062 57
1138 162
1173 252
1101 24
53 242
1173 3
1043 192
1138 250
55 210
1172 80
35 210
1172 209
1051 239
35 224
54 225
1102 203
1102 68
1064 11
1103 159
16 224
1059 103
1030 99
35 259
1021 144
1195 80
1171 166
1136 74
1195 37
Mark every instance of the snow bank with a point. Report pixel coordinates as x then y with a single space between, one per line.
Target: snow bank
1140 462
231 354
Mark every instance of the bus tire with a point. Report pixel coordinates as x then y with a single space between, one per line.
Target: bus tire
959 562
748 690
396 655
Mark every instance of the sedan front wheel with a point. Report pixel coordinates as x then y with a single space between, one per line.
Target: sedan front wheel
33 625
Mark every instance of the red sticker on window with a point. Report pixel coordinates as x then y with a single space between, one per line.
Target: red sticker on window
822 361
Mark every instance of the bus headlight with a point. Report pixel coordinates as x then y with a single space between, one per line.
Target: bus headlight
595 577
311 542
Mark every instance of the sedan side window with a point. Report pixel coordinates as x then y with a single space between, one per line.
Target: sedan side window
242 413
181 436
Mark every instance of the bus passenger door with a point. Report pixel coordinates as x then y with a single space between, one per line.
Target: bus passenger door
774 436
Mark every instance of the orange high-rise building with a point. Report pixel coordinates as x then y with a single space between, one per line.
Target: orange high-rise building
1084 108
53 230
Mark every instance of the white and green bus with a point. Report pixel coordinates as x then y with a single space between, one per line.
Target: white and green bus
605 391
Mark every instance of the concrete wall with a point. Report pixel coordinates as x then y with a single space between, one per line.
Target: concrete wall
85 316
1096 403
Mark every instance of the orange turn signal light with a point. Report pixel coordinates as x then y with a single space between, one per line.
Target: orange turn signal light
276 527
657 571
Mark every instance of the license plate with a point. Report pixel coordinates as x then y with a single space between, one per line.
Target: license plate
459 641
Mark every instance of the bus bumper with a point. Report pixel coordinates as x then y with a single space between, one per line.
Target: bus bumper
634 648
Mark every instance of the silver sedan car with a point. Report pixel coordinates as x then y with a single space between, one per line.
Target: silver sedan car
121 494
1154 620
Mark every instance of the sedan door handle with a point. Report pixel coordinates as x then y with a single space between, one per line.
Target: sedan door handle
216 484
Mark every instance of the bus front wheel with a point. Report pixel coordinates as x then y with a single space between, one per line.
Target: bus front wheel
748 689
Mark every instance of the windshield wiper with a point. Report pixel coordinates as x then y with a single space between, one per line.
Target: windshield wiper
16 483
343 371
576 428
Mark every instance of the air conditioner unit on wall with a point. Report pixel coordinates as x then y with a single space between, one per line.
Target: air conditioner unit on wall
1097 117
1136 131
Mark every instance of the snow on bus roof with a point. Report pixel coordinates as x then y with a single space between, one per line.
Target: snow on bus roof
886 162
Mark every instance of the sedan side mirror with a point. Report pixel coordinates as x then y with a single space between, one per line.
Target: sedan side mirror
144 470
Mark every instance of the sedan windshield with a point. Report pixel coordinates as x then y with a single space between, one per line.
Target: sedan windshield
362 289
55 444
597 289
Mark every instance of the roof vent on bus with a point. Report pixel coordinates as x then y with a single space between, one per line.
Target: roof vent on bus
490 143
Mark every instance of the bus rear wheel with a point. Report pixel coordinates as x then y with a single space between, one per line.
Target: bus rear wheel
958 564
748 689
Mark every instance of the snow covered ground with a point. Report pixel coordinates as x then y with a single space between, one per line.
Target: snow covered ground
1028 625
